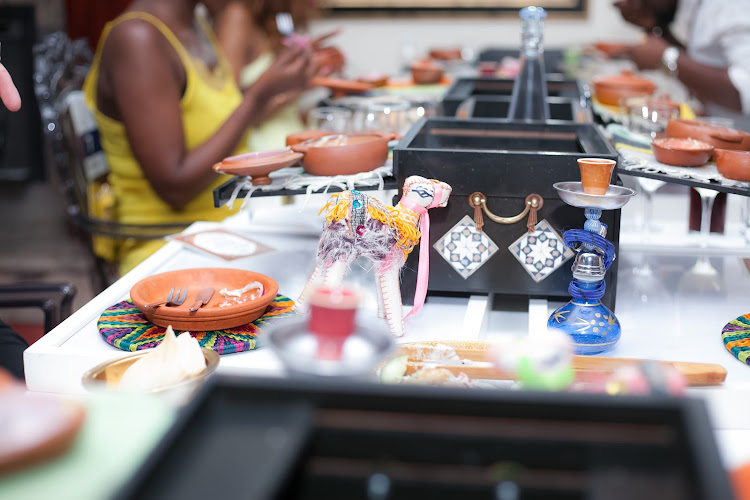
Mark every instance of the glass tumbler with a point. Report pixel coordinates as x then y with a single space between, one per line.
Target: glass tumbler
387 116
331 118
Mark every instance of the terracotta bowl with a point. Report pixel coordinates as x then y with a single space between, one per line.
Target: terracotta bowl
612 89
681 152
212 316
305 135
718 136
612 49
445 53
426 72
339 86
733 164
374 79
258 165
344 154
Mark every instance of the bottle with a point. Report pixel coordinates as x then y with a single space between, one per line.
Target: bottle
529 98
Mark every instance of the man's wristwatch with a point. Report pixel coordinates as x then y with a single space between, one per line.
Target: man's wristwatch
669 59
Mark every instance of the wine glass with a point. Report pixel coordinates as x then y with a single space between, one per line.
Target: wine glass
648 188
703 276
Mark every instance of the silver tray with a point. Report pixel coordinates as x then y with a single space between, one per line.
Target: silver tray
572 194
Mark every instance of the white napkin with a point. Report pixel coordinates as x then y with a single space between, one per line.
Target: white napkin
175 359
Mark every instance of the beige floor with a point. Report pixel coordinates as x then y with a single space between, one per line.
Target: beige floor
37 244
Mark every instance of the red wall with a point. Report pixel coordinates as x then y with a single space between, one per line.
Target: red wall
86 18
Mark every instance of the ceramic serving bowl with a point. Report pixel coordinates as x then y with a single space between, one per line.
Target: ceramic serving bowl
733 164
718 136
426 72
374 79
445 53
218 314
258 165
612 49
344 154
612 89
681 152
340 87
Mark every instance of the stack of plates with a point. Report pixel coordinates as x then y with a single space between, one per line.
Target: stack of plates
219 313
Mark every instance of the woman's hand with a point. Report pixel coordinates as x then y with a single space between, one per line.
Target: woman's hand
291 71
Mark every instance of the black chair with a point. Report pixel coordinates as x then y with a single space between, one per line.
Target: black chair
82 163
54 299
78 161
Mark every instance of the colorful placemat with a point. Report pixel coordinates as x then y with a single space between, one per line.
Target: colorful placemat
125 327
736 337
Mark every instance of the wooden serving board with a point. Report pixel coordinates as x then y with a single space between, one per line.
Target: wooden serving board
587 368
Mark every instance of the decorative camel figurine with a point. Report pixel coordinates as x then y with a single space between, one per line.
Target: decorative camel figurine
361 226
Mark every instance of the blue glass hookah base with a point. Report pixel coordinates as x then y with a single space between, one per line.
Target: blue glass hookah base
592 327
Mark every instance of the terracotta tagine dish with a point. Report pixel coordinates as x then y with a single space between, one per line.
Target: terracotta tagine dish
344 154
426 72
681 152
374 79
612 89
445 53
612 49
716 135
733 164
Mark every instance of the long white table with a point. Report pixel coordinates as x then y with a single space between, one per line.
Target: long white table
668 314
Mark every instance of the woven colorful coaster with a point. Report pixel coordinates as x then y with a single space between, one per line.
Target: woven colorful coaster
736 336
125 327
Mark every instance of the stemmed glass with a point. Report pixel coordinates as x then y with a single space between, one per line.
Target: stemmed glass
649 187
703 276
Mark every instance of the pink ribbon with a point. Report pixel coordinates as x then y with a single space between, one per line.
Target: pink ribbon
423 271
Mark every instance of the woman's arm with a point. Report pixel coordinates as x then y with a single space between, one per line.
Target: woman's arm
147 81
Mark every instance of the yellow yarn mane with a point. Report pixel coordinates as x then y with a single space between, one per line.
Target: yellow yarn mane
402 228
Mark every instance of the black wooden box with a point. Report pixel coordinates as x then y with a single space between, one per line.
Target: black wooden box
554 59
491 106
506 161
255 438
569 99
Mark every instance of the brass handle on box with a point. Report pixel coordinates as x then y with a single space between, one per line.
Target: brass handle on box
478 201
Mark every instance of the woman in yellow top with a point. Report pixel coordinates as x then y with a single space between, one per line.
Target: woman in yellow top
168 108
250 39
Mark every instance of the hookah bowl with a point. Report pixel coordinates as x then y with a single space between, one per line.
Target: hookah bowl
592 327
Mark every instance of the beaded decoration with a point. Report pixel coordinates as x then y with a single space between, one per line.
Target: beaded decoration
350 207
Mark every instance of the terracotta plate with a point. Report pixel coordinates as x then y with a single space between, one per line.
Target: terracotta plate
258 165
219 313
36 428
340 86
